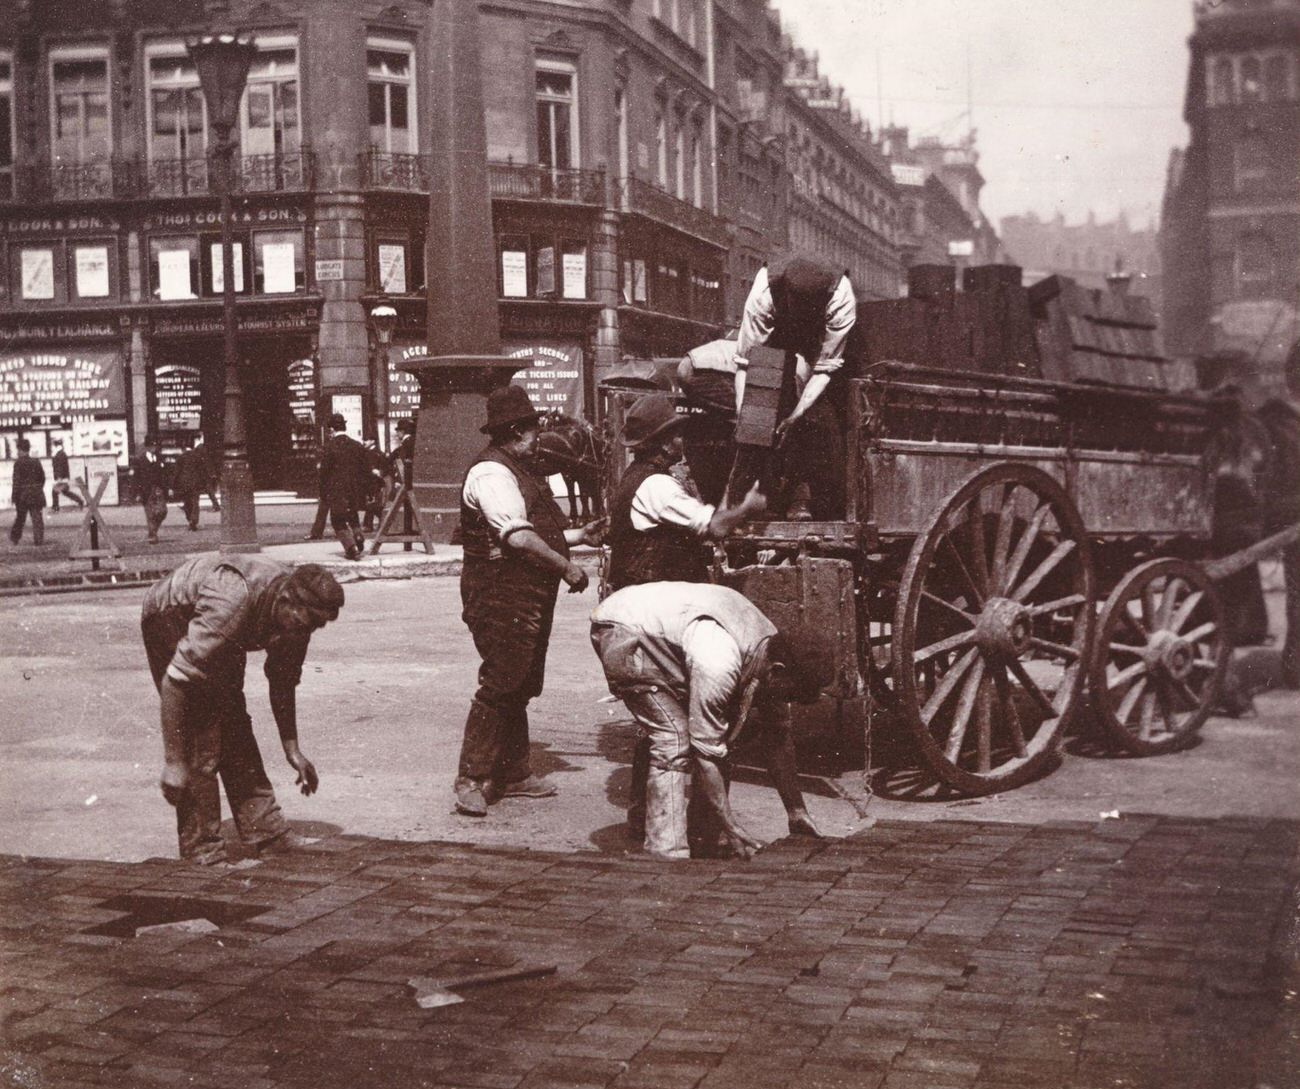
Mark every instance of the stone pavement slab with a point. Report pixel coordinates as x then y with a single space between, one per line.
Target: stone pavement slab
1148 951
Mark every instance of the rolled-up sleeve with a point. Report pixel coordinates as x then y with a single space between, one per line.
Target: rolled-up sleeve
758 320
661 500
841 313
220 611
492 490
714 665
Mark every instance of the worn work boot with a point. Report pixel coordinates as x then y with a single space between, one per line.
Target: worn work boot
470 799
665 814
532 787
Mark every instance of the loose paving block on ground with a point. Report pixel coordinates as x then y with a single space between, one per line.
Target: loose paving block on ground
1145 951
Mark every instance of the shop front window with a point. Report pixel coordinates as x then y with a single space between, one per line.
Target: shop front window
391 89
37 273
174 268
214 280
94 275
278 267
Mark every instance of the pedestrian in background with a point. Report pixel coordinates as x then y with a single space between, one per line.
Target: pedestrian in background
375 487
193 477
516 554
402 458
151 486
344 471
198 625
28 495
62 478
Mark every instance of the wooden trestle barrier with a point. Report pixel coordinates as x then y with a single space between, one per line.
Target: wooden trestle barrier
413 524
94 533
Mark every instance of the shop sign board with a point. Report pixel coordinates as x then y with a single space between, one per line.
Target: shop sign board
279 321
73 385
403 387
178 395
27 330
211 218
552 376
33 226
328 270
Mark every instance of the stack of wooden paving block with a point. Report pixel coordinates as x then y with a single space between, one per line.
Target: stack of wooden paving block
769 396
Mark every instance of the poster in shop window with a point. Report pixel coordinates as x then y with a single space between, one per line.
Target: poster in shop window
92 272
514 274
218 267
174 275
38 274
278 268
575 275
392 269
178 397
552 376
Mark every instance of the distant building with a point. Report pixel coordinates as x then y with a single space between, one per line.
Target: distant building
1230 235
939 189
1086 252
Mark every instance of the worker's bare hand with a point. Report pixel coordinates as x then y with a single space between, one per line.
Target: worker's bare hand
783 430
801 824
593 533
575 578
307 780
175 781
755 502
742 843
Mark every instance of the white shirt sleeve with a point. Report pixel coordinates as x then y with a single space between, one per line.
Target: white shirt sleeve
758 320
492 490
661 500
841 313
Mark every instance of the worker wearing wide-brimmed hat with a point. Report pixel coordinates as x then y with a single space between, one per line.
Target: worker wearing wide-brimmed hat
198 625
658 531
516 545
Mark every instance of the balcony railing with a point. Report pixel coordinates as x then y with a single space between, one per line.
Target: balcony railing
127 179
653 203
524 181
396 171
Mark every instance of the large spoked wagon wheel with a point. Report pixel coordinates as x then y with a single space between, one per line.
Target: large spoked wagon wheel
992 628
1160 656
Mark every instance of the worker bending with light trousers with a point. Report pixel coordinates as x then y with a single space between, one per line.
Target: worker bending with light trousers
807 310
690 661
198 624
516 541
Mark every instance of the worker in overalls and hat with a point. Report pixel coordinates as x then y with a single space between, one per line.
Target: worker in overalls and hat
198 624
516 544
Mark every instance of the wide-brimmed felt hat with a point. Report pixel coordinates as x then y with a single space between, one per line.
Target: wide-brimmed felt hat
649 418
508 405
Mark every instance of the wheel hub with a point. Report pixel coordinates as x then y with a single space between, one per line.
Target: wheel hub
1004 628
1170 654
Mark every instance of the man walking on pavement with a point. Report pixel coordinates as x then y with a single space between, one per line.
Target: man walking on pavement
150 487
516 554
344 470
689 660
193 478
62 478
28 495
658 531
198 624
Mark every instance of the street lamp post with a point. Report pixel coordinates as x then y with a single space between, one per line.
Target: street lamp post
383 320
223 62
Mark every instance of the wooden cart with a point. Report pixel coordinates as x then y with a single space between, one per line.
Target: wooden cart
1012 547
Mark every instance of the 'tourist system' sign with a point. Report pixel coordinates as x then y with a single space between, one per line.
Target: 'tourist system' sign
78 386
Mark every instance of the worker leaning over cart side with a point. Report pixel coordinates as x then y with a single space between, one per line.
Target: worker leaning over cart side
689 661
707 377
658 531
516 545
806 309
198 624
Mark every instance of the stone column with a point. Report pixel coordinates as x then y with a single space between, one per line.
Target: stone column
605 290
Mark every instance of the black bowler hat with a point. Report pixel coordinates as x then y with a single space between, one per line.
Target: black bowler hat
508 405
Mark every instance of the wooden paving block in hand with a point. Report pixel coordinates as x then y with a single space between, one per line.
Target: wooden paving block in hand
769 396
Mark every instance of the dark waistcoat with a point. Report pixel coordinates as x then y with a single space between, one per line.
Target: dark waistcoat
479 539
661 554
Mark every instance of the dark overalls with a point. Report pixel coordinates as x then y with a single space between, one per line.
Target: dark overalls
662 554
508 604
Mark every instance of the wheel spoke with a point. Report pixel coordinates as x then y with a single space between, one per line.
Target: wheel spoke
1002 545
1149 607
1137 669
935 599
1199 633
1055 606
1146 716
1125 648
1167 599
947 684
976 596
1059 649
1185 610
1035 693
953 642
1165 703
1204 663
961 718
978 553
1010 715
1026 542
1043 570
984 725
1180 688
1130 700
1135 625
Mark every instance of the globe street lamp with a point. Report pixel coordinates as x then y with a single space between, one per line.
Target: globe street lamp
383 320
223 62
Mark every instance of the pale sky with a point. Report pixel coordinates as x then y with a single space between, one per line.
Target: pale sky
1076 103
